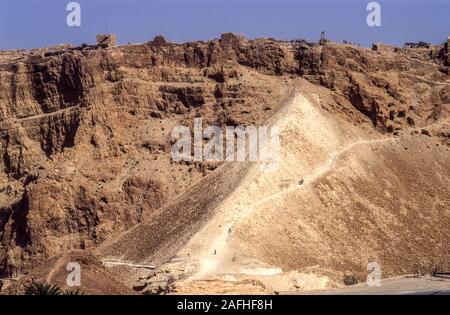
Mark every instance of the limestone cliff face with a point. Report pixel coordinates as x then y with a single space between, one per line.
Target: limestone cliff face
85 132
86 137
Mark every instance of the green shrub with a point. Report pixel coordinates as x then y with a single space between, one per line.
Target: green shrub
43 289
49 289
76 292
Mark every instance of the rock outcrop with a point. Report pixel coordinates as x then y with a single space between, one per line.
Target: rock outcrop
85 131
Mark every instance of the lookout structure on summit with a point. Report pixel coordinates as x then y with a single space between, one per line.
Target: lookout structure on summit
107 40
420 44
323 39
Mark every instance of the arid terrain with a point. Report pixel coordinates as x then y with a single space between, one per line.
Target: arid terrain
87 175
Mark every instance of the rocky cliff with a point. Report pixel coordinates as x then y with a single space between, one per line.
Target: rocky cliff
85 131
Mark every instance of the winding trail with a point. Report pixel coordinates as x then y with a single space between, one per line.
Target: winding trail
423 80
217 247
115 263
323 169
56 267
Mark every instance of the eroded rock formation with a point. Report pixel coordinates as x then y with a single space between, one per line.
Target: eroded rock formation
85 131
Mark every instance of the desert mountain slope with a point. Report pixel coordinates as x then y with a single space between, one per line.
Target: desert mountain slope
86 162
363 198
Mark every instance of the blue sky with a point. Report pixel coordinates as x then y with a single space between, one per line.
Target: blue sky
38 23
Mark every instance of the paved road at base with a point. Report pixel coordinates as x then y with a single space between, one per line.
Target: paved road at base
394 286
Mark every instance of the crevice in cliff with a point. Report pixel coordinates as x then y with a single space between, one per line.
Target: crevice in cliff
14 232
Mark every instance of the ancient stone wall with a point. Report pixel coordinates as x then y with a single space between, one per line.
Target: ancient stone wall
106 39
